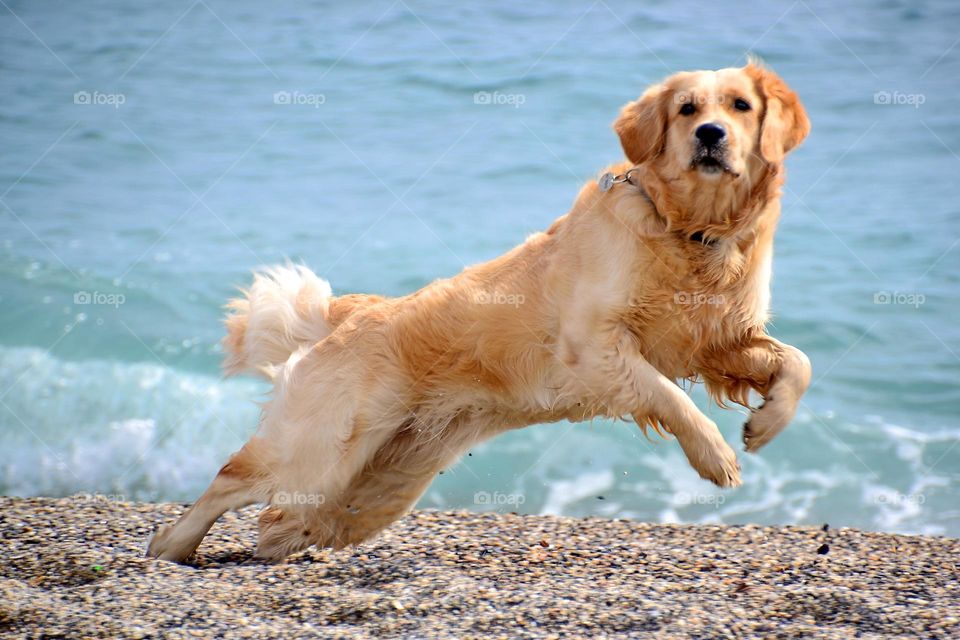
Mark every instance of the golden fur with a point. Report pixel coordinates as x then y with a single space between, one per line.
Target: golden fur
656 280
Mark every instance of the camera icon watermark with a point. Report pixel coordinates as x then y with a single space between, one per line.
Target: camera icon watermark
485 498
99 298
497 98
298 98
899 98
96 98
911 299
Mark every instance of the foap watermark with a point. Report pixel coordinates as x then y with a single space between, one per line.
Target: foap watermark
897 498
298 498
99 497
685 498
298 98
497 98
99 298
898 98
96 98
907 298
698 100
499 297
698 299
497 498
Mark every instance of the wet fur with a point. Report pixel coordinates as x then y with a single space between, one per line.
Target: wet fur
373 396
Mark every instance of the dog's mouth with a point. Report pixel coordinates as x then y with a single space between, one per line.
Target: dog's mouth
711 162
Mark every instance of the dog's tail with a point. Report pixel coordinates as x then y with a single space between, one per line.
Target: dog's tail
286 308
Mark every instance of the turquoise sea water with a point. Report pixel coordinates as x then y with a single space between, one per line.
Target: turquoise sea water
152 155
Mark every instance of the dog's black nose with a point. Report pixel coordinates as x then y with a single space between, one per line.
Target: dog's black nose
710 133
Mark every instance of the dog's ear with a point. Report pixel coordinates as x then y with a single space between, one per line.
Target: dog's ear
642 125
785 123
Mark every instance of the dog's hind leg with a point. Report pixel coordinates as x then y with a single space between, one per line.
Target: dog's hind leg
392 482
374 499
244 480
287 529
331 413
385 489
285 532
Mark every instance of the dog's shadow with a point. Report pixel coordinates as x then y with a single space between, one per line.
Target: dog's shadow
372 572
224 560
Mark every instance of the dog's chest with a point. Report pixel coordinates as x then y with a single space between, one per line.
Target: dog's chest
672 324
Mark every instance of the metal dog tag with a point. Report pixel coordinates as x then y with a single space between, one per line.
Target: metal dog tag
606 182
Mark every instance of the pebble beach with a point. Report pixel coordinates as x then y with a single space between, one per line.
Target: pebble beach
74 567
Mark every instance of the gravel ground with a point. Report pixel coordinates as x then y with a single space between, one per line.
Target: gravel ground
74 567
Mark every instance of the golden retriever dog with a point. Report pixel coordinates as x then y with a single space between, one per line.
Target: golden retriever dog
660 272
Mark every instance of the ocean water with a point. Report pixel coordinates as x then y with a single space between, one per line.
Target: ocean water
154 153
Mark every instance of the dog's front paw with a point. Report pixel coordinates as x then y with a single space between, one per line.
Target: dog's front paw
721 468
781 402
766 422
713 459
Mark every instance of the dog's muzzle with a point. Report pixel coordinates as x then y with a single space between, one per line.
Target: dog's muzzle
710 149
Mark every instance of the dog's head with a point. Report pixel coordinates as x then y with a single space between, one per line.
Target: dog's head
713 125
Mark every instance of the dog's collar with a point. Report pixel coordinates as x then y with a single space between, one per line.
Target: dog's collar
608 180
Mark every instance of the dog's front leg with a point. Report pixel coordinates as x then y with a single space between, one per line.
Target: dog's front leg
779 372
631 385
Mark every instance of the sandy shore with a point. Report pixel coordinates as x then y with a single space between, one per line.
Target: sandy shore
74 567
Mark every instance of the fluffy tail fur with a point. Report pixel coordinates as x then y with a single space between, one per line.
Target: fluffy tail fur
286 308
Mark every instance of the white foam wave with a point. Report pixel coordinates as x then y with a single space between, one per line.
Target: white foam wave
562 493
141 431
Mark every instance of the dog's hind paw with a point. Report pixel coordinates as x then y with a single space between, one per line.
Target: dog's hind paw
159 542
163 547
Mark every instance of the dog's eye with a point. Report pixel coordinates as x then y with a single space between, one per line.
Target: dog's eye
741 105
687 109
